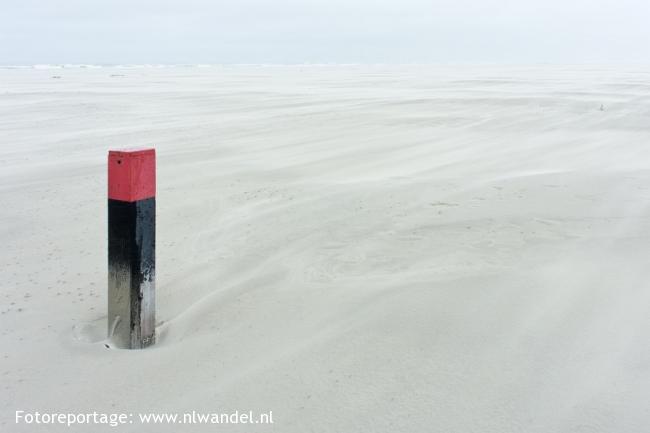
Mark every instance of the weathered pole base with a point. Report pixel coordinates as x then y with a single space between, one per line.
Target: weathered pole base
131 273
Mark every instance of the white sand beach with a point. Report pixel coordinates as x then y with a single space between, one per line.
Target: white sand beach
354 248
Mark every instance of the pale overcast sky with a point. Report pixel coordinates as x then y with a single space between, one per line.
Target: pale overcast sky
324 31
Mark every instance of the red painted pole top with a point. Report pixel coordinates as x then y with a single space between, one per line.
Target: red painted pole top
131 174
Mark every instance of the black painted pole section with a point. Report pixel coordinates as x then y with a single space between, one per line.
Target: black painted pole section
131 248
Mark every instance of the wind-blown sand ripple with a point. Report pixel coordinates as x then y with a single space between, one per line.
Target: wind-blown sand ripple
355 248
